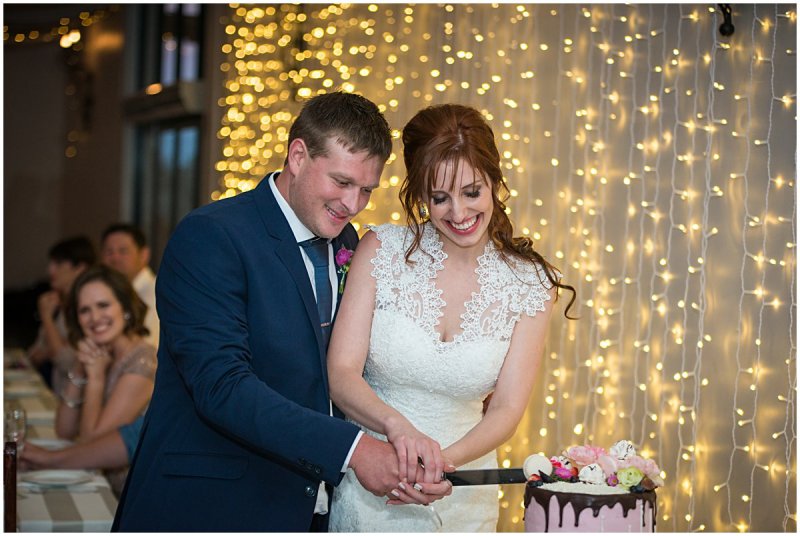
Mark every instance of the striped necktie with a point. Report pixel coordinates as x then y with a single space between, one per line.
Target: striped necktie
317 251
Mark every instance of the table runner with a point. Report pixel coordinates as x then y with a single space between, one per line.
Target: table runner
65 509
88 507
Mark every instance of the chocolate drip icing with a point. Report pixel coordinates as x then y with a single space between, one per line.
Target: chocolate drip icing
582 501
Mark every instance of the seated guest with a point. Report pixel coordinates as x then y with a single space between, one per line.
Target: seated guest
111 382
111 450
124 248
51 353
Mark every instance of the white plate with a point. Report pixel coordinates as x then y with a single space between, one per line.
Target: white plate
49 444
20 391
56 477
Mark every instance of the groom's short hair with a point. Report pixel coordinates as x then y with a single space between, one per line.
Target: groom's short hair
350 119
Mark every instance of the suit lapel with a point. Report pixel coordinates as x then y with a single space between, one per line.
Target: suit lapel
288 252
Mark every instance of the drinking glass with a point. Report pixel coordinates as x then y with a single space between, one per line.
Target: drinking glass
15 426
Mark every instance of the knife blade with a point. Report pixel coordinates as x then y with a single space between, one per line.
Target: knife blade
482 477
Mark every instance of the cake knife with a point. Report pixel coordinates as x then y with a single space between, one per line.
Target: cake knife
481 477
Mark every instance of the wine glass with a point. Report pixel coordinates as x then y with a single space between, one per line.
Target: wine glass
16 426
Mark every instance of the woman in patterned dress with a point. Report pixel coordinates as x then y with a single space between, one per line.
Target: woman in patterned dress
458 311
111 382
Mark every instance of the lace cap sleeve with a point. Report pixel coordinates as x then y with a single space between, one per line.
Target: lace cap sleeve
534 287
391 245
398 284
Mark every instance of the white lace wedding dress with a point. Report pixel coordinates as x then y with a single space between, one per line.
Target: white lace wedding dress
438 385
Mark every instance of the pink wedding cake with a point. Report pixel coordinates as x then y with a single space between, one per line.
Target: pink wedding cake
589 489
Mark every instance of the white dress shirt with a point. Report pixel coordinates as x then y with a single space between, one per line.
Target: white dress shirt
145 285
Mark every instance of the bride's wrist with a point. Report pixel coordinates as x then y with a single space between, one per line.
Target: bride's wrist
394 424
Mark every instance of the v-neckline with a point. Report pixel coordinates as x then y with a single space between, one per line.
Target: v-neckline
438 303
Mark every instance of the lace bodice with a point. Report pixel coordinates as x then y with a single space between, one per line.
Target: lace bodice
505 292
438 385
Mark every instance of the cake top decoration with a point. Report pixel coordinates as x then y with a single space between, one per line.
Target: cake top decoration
592 474
622 450
618 467
536 464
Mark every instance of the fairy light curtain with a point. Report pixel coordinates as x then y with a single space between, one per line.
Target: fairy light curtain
649 157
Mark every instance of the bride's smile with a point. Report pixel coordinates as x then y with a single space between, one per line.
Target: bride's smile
461 205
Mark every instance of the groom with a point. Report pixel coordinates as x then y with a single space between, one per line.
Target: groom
238 435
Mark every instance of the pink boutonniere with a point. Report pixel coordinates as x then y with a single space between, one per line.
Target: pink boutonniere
343 258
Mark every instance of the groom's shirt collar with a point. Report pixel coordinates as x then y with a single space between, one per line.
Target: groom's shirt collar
300 231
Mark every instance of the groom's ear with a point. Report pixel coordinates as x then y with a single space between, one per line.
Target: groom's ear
297 155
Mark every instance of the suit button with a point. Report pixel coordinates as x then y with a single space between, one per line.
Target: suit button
317 470
311 491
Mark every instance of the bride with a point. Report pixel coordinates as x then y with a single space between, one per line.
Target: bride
458 310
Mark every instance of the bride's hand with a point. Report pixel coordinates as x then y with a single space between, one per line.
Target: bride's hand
413 447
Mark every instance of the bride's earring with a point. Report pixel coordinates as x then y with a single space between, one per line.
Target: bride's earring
424 214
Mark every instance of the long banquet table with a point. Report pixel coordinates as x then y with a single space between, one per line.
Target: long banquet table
80 507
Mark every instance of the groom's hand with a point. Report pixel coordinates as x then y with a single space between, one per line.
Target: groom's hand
375 464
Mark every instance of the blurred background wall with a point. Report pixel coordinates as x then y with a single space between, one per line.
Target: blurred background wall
107 113
650 157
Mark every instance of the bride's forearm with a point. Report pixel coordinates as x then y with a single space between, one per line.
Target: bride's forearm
492 431
351 394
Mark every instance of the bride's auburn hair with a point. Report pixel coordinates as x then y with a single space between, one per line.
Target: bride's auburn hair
449 133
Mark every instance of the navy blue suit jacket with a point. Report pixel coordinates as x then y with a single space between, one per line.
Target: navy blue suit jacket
238 434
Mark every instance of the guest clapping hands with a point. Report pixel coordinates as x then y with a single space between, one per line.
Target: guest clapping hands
94 358
112 380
